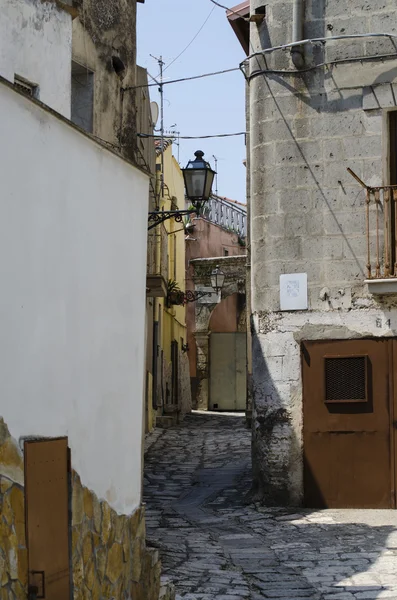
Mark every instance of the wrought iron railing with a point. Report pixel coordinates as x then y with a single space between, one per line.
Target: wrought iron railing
381 230
226 214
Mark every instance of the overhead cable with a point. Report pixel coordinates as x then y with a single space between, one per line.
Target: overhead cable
230 10
190 43
312 41
135 87
193 137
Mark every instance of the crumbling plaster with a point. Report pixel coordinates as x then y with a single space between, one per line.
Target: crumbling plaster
36 44
104 30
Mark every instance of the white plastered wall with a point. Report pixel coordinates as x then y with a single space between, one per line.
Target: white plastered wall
36 44
73 228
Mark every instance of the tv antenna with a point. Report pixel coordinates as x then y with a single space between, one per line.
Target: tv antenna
161 64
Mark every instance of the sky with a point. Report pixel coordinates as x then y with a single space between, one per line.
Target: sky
206 106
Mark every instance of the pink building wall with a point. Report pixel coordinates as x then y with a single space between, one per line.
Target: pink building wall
208 240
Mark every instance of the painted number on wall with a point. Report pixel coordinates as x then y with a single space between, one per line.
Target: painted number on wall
380 323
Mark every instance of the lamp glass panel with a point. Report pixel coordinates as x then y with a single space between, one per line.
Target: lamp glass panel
195 181
208 184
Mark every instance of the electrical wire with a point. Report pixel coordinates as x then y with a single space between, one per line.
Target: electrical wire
318 65
189 44
135 87
323 40
195 137
230 10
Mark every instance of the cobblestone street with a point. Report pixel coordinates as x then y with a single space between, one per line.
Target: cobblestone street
216 546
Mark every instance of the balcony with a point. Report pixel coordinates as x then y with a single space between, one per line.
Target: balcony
381 234
227 214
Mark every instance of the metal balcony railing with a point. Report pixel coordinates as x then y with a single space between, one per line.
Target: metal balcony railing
381 230
228 215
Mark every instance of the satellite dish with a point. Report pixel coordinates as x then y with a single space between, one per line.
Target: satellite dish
154 109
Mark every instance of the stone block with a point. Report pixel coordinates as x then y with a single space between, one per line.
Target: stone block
362 147
336 174
279 249
17 502
114 565
345 223
106 522
77 501
278 129
90 574
87 550
295 225
333 149
101 558
267 225
301 128
322 248
11 461
298 153
88 503
337 125
344 272
296 202
384 22
310 175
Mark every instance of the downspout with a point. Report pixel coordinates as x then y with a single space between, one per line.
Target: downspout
297 33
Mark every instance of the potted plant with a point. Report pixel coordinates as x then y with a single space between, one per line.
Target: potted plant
175 296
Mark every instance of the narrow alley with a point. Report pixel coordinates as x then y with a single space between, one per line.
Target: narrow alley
215 545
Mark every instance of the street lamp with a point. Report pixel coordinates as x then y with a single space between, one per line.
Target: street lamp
198 177
217 279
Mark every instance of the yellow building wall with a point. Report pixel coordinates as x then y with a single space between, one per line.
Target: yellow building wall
173 319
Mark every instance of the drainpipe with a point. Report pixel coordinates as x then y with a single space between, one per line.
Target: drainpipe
297 33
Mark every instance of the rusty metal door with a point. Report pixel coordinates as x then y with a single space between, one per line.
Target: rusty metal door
47 518
347 424
228 371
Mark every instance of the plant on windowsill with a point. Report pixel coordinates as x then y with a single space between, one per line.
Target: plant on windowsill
175 296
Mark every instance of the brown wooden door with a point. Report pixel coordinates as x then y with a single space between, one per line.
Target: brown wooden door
47 521
347 423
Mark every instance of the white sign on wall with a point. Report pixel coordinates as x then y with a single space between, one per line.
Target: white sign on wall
293 291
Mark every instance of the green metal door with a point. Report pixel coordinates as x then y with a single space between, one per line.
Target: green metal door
228 371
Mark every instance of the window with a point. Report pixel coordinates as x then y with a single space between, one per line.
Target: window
25 86
225 252
82 109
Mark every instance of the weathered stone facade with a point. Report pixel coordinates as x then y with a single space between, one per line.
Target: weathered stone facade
109 554
104 41
307 212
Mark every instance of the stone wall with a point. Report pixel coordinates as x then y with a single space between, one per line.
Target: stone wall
184 391
308 213
109 554
13 551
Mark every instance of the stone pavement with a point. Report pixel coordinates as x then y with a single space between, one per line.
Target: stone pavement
217 546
